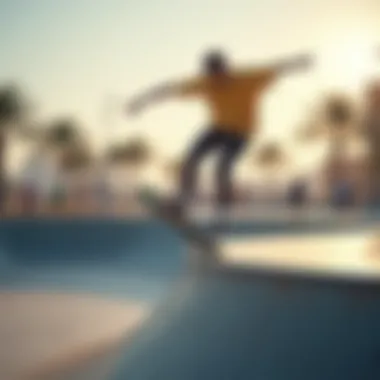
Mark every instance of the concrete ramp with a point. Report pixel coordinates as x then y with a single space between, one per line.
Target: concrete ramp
255 322
253 328
122 258
71 291
225 323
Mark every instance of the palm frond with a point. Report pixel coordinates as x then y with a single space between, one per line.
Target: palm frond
62 133
132 152
269 156
13 106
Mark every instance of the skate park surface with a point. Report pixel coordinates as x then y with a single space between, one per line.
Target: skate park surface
73 289
114 299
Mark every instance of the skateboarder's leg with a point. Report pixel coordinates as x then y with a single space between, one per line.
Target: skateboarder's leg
205 144
233 146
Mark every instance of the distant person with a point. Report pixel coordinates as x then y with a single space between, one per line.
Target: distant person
371 128
232 97
297 193
37 178
343 195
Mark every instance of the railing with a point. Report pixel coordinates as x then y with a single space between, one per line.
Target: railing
26 202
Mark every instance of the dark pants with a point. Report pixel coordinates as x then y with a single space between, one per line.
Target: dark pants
229 146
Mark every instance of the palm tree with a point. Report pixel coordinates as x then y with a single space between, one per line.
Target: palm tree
335 123
135 152
63 136
270 158
76 157
340 119
339 114
133 155
62 133
75 162
13 115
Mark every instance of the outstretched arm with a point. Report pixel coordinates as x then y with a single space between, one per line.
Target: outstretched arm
261 78
153 95
165 91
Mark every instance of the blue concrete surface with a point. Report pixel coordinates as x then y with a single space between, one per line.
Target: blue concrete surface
219 326
231 327
256 326
134 259
119 258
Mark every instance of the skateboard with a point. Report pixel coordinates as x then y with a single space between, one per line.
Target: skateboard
193 234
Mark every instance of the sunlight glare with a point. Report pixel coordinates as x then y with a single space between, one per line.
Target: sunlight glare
354 61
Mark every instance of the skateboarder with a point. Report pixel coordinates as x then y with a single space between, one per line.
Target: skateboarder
232 97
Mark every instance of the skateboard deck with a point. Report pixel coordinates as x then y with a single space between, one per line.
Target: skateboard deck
193 234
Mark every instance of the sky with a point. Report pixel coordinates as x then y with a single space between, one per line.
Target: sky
88 57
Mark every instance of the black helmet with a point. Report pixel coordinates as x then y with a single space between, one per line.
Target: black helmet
214 62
